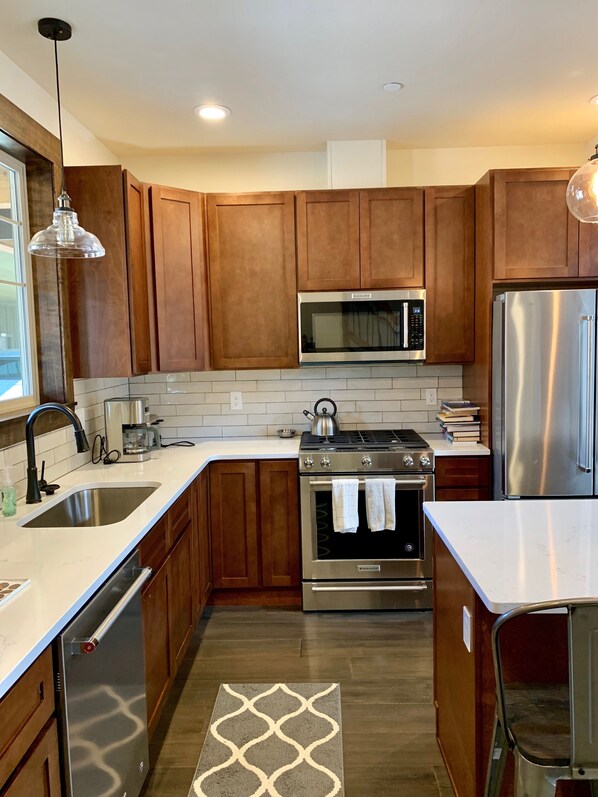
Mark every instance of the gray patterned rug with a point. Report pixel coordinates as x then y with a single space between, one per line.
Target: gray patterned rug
272 740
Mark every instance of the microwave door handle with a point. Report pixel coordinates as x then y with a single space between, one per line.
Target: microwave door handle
405 325
585 437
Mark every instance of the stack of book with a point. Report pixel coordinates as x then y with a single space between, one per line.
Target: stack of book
460 422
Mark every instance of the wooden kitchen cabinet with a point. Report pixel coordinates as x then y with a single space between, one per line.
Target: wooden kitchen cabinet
39 772
180 278
279 523
253 284
156 630
203 524
233 519
535 235
370 239
450 272
467 478
110 298
254 518
180 597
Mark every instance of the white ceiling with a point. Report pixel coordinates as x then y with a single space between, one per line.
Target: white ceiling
297 73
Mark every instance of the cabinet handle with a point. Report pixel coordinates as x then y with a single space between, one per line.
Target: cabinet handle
397 588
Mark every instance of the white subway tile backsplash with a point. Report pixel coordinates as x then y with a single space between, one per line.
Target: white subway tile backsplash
367 396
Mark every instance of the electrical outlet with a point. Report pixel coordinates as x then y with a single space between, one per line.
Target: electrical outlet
431 396
236 400
467 628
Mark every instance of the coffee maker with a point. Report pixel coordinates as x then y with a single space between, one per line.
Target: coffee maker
128 430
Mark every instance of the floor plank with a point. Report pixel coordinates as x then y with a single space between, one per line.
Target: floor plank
382 660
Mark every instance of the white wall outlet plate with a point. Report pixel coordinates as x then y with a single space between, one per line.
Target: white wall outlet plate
431 396
467 628
236 400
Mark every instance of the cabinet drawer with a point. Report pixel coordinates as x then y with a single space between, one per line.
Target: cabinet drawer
154 546
462 472
463 494
179 516
25 709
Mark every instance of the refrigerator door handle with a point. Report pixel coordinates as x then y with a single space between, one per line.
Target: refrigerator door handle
585 437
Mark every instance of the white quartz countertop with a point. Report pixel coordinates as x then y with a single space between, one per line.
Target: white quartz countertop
66 566
442 448
515 552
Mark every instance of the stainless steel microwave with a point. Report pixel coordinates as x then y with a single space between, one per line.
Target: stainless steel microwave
362 326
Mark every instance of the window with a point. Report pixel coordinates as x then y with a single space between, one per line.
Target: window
18 366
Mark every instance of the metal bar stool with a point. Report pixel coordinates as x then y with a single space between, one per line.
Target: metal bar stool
551 729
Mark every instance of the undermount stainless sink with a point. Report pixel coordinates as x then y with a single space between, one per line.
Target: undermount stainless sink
92 506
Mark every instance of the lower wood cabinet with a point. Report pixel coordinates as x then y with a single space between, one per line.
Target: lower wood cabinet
29 757
39 773
465 478
172 600
254 518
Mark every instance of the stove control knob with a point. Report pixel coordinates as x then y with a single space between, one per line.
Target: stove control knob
308 463
424 461
325 462
408 460
367 461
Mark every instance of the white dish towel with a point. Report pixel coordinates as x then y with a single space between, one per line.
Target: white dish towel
380 504
345 515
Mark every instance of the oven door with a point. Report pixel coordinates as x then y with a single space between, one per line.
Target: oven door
361 326
404 552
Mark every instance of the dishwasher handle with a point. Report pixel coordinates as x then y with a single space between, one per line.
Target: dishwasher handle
88 645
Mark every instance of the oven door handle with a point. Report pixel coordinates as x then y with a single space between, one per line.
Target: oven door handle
394 588
398 482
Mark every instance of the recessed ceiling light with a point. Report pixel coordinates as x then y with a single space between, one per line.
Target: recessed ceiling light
593 100
392 86
212 112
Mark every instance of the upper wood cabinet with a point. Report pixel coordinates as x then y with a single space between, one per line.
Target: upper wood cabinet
109 298
450 263
180 278
253 288
371 239
535 235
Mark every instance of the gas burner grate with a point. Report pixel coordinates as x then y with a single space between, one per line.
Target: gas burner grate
356 440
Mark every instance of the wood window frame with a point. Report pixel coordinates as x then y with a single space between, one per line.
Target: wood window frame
29 142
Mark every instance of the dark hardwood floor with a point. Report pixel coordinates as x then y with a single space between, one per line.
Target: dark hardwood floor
382 660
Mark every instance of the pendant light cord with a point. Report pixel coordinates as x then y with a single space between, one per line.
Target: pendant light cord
63 191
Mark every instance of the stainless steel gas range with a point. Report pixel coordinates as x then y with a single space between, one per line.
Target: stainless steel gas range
389 569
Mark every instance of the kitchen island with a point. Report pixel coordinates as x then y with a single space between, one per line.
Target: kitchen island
490 557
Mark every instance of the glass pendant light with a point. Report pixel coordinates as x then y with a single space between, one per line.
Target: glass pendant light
582 191
64 237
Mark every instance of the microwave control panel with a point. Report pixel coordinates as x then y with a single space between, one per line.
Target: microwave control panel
416 325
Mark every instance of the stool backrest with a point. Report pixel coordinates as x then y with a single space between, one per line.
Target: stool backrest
583 675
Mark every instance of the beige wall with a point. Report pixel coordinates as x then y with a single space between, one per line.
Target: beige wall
287 171
80 146
269 171
463 166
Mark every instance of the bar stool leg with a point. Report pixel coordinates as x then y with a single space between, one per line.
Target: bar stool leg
496 764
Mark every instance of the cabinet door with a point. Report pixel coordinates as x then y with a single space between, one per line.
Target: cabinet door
535 236
391 224
138 275
205 553
253 284
179 268
588 250
39 773
158 664
450 231
279 523
180 597
328 240
233 519
99 290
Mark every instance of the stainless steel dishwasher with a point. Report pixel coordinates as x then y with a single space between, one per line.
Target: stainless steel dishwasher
101 689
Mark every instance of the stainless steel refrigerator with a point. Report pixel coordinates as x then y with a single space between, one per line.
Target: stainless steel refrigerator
544 394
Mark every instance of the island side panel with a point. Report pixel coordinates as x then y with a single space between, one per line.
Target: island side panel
455 679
